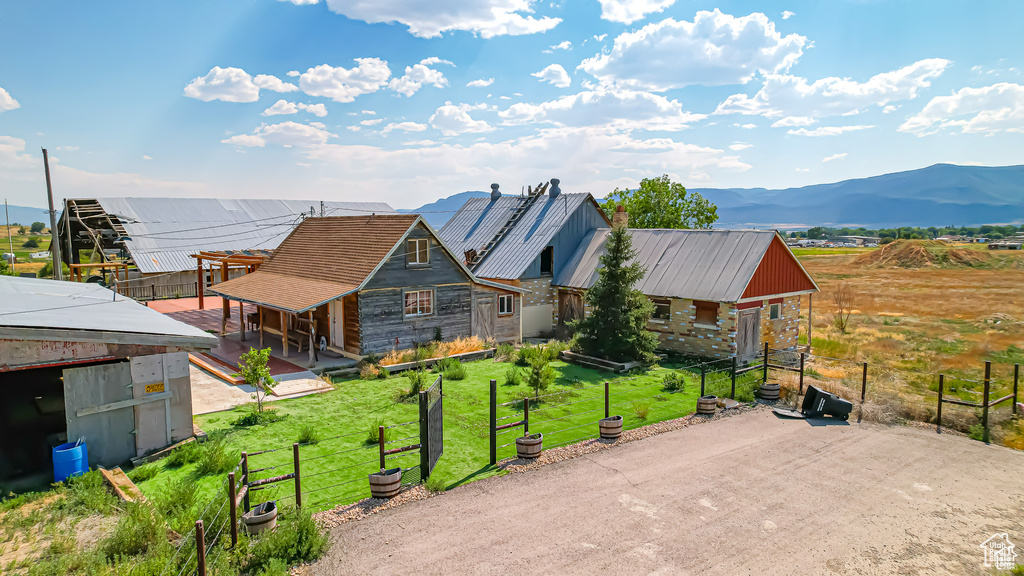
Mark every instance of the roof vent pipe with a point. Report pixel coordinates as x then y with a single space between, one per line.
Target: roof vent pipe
495 193
554 190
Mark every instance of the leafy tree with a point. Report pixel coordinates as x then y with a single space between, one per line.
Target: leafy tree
252 367
616 328
37 227
21 230
661 203
816 233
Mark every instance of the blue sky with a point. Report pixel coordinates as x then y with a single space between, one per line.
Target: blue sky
405 101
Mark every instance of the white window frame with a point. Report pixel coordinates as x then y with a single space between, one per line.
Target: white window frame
510 307
774 311
421 309
659 302
413 251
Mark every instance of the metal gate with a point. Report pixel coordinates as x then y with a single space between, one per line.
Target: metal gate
431 427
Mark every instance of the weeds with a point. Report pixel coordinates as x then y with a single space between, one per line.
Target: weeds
136 532
513 376
143 473
297 539
185 454
374 433
215 459
258 418
435 484
673 382
641 408
309 435
505 352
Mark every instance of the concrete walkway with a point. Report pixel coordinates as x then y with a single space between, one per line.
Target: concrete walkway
750 494
211 394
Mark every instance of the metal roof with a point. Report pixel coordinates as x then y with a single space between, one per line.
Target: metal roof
28 304
480 219
164 232
713 265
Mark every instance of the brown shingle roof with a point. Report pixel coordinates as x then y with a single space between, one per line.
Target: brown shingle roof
321 259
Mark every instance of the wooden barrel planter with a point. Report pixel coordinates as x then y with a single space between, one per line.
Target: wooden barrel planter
611 427
768 392
260 518
707 404
529 446
386 483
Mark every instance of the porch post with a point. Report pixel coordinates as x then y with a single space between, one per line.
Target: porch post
260 312
810 319
241 320
225 303
284 334
200 281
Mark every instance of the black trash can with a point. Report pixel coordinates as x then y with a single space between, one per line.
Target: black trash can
818 403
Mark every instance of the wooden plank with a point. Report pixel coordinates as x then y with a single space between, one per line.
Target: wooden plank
123 487
123 404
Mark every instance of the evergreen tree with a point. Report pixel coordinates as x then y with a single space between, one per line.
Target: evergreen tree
616 328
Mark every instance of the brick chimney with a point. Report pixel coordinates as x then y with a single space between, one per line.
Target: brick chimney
621 217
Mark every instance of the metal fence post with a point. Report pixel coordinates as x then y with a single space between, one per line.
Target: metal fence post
732 393
200 549
938 411
803 356
494 422
526 416
380 446
764 377
298 478
245 480
703 374
863 391
606 399
424 437
233 505
984 409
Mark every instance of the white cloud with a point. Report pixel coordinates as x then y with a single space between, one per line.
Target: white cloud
318 110
803 169
786 14
345 84
227 84
452 120
372 122
554 74
284 134
600 37
488 18
403 126
563 45
302 2
826 130
274 83
784 95
481 83
839 156
746 126
985 110
629 11
7 102
368 112
294 73
286 107
619 109
145 157
715 49
793 121
737 146
419 74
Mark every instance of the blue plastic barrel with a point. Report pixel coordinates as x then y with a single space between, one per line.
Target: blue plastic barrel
69 460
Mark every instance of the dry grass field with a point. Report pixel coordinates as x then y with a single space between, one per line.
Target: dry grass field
914 319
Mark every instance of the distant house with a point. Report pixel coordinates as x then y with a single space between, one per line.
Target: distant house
78 361
370 284
859 240
718 293
525 241
159 235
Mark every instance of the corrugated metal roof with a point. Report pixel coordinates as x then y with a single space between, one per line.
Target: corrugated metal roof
27 303
480 219
711 265
165 232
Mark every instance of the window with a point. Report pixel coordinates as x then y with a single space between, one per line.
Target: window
418 251
545 261
707 313
774 311
506 303
419 303
662 311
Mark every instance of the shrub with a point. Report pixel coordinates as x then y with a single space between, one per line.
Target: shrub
215 459
369 372
145 472
438 336
641 408
185 454
541 375
382 373
674 381
309 435
529 353
435 484
136 532
513 376
296 540
255 417
454 371
555 347
505 352
175 503
30 243
417 381
374 436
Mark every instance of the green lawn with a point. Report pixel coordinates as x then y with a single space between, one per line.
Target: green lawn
357 405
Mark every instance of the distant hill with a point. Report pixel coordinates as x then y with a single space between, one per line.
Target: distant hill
438 212
26 216
942 194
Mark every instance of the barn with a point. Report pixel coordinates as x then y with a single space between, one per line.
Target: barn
717 293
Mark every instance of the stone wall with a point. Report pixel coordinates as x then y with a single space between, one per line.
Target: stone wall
782 333
681 333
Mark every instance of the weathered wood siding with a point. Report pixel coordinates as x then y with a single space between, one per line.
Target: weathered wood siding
507 327
382 308
353 330
587 217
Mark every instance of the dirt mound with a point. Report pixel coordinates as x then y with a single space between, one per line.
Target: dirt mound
921 254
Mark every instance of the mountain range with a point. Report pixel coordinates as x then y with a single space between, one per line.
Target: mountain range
939 195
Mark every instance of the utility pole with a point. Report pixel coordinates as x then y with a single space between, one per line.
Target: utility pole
58 272
9 240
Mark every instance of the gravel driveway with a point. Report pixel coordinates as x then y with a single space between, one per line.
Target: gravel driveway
751 494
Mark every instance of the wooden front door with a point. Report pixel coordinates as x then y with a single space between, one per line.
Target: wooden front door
748 334
483 322
337 324
570 307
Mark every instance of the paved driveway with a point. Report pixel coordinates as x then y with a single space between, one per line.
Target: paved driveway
750 494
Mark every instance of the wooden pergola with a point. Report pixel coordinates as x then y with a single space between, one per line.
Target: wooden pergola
250 260
76 270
